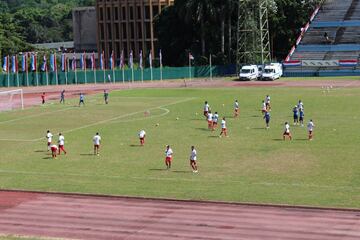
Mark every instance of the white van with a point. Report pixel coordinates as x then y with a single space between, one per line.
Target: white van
249 72
272 71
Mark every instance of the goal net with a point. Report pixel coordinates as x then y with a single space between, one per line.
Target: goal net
10 100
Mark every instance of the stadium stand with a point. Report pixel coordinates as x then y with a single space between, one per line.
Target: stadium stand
332 34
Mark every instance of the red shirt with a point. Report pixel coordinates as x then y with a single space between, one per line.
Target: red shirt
43 96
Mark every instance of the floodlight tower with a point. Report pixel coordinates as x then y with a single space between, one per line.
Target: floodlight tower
253 38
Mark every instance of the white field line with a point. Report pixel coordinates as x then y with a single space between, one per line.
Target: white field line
105 120
166 112
167 179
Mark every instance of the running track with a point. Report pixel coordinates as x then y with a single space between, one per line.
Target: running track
99 217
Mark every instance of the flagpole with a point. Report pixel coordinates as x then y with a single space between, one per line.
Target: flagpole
66 62
151 73
27 71
210 68
36 73
123 74
47 74
84 62
17 70
56 70
8 70
76 80
189 68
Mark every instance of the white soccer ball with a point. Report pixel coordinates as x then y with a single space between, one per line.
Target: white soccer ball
157 124
177 118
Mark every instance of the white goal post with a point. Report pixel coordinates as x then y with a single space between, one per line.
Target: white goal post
12 99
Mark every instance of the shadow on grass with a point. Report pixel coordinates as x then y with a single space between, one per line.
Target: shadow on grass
216 136
135 145
47 158
258 128
278 139
87 154
158 169
203 129
40 151
301 139
179 171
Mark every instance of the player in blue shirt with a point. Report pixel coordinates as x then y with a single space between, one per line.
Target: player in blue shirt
267 119
296 115
301 118
82 98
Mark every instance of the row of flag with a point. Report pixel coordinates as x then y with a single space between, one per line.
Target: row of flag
71 64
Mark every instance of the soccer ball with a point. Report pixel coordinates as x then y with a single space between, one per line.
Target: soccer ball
177 118
223 104
196 114
157 124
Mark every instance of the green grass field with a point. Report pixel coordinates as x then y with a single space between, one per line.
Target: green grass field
252 165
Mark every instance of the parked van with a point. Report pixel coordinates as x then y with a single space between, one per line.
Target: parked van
272 72
249 72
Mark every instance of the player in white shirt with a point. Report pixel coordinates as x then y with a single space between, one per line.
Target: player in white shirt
263 107
267 102
142 135
49 139
223 127
168 156
209 120
206 109
300 105
54 150
310 127
61 142
287 131
193 159
236 109
215 119
97 141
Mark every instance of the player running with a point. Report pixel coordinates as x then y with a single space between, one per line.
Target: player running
296 115
193 159
310 128
106 96
301 116
209 120
215 119
82 99
49 139
267 102
236 109
43 98
223 128
54 150
62 97
267 119
168 156
142 135
287 131
61 143
206 109
263 107
300 105
97 141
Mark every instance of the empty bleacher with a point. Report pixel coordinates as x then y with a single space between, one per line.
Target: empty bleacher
340 20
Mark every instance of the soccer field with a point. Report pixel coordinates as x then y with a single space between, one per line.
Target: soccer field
252 165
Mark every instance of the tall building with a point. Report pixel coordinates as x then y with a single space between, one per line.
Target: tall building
127 25
84 27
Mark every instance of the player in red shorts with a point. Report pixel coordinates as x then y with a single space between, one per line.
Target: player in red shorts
236 109
142 135
206 109
215 119
223 127
61 142
43 98
54 150
210 120
193 160
287 131
96 141
168 156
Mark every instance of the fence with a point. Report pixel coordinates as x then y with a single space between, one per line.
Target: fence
100 76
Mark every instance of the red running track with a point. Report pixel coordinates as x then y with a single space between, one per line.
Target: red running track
99 217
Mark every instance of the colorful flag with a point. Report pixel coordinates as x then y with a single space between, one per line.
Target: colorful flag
93 63
14 64
122 62
150 60
44 65
6 64
112 61
102 64
83 61
73 63
63 62
191 57
160 58
141 60
131 60
24 63
33 62
53 62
